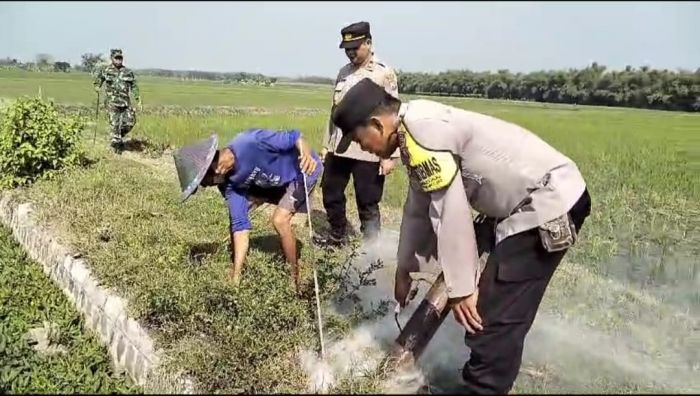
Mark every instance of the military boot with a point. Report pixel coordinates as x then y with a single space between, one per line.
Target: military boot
117 144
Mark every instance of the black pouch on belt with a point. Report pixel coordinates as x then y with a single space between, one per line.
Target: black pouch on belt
558 234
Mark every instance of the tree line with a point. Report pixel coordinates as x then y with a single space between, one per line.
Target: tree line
309 80
42 62
90 63
45 63
224 77
594 85
642 87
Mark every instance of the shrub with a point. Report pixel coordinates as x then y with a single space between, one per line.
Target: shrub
35 141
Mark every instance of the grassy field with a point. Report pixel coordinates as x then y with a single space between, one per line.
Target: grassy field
77 88
73 361
631 286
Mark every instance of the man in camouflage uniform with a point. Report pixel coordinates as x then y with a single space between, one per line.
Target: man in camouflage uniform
120 83
368 171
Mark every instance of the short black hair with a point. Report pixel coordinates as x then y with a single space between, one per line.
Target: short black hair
388 104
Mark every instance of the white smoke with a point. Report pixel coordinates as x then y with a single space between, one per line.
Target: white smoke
585 357
366 346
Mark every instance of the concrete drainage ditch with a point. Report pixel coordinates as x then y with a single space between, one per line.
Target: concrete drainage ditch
129 345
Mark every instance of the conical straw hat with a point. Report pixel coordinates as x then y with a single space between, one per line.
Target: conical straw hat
192 163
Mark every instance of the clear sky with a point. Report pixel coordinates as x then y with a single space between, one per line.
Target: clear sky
301 38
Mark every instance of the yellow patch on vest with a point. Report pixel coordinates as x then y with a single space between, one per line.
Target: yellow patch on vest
428 170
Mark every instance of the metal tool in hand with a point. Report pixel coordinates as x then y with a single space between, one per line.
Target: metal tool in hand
425 320
422 325
416 278
397 311
311 235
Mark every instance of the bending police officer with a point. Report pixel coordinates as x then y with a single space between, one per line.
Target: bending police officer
531 199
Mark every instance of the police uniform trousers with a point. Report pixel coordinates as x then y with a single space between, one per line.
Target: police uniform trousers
369 187
511 288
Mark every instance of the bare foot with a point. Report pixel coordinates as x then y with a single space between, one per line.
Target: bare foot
234 277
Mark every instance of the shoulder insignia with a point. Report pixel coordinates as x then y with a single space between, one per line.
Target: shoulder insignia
428 170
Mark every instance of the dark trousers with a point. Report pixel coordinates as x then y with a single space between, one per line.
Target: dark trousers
511 288
369 187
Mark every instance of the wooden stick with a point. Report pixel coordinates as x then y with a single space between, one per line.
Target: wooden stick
311 236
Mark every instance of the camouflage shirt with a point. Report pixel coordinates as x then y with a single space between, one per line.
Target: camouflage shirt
120 83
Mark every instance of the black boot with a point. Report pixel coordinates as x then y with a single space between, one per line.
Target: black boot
117 146
331 239
370 231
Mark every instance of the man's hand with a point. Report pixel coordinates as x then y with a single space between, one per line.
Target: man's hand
97 89
306 161
239 249
225 162
386 166
140 106
402 286
324 154
465 312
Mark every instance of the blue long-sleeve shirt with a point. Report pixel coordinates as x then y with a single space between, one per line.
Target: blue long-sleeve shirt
264 159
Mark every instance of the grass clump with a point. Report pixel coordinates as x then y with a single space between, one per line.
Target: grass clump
28 301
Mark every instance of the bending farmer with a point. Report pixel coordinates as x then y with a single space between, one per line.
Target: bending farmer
531 200
257 166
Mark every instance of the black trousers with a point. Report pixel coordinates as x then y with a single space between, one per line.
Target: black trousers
511 288
369 187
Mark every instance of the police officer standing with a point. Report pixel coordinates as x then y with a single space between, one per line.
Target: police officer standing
368 171
532 201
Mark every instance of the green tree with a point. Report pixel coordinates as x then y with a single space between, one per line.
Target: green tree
594 85
61 66
90 61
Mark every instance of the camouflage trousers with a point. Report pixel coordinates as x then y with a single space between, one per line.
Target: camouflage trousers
121 122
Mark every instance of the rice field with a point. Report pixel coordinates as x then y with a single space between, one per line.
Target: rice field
622 315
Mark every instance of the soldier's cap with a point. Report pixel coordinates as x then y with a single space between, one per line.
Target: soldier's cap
355 108
353 35
116 53
192 163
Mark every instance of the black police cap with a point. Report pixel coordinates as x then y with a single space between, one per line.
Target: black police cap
353 35
355 108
